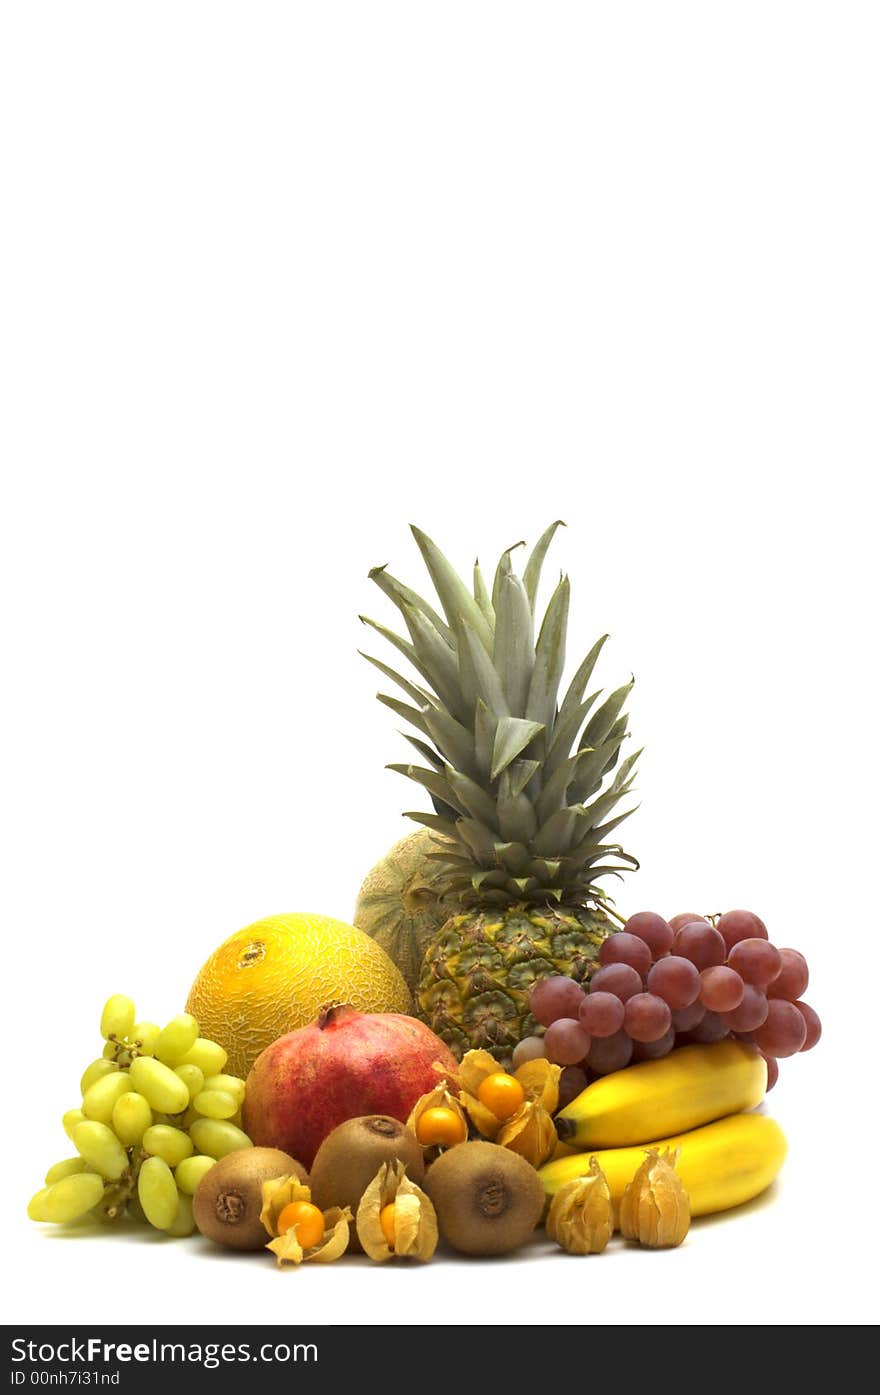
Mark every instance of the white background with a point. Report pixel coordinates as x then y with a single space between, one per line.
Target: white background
278 280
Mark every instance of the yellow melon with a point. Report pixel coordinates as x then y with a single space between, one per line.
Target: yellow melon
276 975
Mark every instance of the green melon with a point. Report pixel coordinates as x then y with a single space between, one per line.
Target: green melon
398 905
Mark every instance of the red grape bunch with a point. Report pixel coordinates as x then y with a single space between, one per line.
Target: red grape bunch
662 984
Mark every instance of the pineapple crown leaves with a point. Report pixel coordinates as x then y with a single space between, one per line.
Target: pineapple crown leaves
522 780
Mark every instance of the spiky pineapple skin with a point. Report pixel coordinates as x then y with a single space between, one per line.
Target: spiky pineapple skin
478 969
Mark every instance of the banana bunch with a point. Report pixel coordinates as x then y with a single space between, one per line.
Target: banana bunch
693 1099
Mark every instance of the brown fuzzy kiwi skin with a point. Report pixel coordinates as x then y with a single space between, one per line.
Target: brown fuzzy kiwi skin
229 1198
351 1155
488 1200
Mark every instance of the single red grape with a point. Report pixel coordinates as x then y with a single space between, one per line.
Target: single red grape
555 997
772 1071
566 1042
756 961
529 1049
784 1031
701 944
572 1082
619 979
676 980
710 1028
685 918
741 925
646 1017
622 948
814 1026
608 1054
751 1012
721 989
653 929
601 1014
793 977
653 1050
686 1018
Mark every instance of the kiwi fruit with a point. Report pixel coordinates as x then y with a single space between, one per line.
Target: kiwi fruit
229 1198
488 1200
350 1156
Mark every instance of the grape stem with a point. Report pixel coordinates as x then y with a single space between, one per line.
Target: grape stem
118 1194
129 1049
607 908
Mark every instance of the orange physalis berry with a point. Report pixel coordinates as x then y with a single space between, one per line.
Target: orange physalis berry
309 1222
440 1126
386 1221
502 1094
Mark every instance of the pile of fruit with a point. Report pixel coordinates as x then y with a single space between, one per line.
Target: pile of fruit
559 1063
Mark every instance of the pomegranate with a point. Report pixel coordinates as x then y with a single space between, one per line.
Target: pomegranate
344 1065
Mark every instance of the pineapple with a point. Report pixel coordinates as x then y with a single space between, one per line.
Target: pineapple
522 787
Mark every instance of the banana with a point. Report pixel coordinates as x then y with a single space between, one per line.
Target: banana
687 1088
721 1164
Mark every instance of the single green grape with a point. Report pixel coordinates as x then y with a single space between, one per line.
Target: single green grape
99 1099
209 1056
68 1167
157 1193
170 1144
131 1118
232 1084
35 1205
69 1120
217 1137
193 1079
164 1090
215 1104
99 1146
189 1173
184 1221
94 1072
176 1038
147 1033
68 1199
117 1019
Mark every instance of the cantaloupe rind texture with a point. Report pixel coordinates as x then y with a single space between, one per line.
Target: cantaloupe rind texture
274 976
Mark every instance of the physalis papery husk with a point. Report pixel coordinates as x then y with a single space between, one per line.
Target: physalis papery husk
655 1208
414 1220
581 1216
438 1098
530 1131
334 1242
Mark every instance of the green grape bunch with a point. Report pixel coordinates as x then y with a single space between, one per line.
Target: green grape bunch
157 1112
